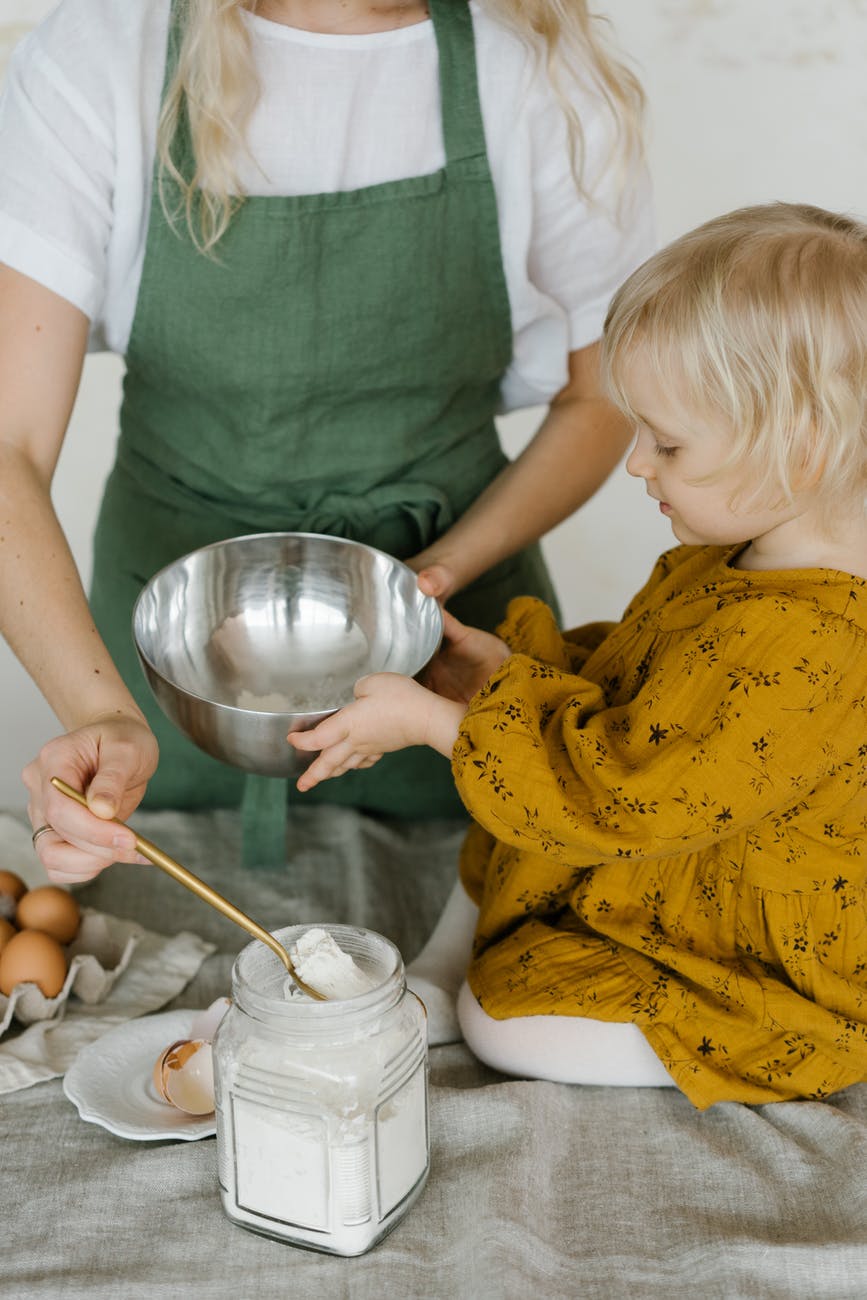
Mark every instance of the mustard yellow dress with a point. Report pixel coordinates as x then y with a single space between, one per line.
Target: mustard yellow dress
671 825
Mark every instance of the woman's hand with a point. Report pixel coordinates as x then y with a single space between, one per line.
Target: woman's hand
466 659
436 580
390 712
111 760
570 455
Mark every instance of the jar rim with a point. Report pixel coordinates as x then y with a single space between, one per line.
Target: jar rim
257 960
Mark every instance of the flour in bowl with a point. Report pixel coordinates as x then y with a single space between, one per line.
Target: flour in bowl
323 694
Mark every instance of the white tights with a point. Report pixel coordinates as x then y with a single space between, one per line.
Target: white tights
564 1049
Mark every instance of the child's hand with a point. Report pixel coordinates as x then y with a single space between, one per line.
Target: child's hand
389 712
465 661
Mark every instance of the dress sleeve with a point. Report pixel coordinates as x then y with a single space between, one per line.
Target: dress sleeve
738 720
56 162
530 628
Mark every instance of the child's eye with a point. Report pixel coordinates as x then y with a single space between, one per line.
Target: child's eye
660 449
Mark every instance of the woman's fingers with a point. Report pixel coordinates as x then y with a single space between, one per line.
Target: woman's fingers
453 629
85 828
436 580
68 864
109 762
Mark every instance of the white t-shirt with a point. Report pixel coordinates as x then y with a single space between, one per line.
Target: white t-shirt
78 121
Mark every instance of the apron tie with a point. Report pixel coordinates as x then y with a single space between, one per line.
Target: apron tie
382 514
264 821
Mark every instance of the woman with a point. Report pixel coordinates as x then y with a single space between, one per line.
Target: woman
328 241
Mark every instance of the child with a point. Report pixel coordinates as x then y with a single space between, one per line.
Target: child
670 841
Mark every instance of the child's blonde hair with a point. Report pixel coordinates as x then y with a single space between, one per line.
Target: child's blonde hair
216 85
758 319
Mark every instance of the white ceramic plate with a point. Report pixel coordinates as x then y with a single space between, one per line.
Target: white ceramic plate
111 1081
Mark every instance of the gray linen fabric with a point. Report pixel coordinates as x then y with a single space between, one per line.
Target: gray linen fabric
535 1189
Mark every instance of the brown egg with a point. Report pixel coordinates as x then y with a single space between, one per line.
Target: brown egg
184 1076
11 889
32 958
7 931
51 910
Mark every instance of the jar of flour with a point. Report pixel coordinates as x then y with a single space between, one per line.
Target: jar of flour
322 1116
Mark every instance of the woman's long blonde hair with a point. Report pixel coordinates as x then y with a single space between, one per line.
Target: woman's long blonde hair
215 84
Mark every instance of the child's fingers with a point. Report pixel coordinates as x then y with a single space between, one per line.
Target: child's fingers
328 764
335 761
329 732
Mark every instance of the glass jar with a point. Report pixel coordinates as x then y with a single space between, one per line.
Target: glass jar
322 1114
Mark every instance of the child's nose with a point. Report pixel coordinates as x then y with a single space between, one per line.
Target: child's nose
639 462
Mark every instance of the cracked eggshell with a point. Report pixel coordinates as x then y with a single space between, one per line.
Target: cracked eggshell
184 1076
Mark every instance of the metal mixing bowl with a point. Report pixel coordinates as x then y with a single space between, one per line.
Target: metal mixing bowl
246 640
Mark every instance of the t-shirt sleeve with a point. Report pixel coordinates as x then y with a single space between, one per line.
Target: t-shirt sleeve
565 252
739 724
56 166
583 248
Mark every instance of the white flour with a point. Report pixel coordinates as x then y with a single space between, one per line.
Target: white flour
326 968
323 1133
322 694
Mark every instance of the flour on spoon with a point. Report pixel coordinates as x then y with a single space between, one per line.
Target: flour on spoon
322 964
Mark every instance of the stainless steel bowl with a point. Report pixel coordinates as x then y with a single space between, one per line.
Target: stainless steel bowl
251 638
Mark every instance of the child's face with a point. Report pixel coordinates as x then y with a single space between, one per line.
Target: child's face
673 453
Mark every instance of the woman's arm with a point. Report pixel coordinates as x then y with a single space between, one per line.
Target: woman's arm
44 613
574 450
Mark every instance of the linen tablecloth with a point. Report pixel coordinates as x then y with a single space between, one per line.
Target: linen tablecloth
536 1189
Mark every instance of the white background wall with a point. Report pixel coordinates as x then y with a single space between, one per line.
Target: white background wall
750 100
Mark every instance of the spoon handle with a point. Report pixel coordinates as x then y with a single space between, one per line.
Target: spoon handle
205 892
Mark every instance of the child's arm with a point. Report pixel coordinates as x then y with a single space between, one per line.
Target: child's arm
530 628
726 731
390 712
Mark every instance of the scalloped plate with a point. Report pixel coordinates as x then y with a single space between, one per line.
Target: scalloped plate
111 1081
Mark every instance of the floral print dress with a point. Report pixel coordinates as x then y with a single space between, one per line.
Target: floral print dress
671 825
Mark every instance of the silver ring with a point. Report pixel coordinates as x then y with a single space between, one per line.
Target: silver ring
40 831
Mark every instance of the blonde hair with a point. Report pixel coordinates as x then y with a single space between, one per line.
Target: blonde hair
758 320
216 86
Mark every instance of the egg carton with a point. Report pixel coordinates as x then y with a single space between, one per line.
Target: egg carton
98 956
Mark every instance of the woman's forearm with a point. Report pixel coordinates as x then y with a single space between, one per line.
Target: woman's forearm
574 450
43 610
44 613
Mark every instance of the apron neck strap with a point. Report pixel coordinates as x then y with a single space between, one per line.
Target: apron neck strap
462 125
463 129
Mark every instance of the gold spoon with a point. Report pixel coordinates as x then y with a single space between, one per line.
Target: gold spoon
205 892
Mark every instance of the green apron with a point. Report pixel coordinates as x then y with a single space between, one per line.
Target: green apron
336 370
